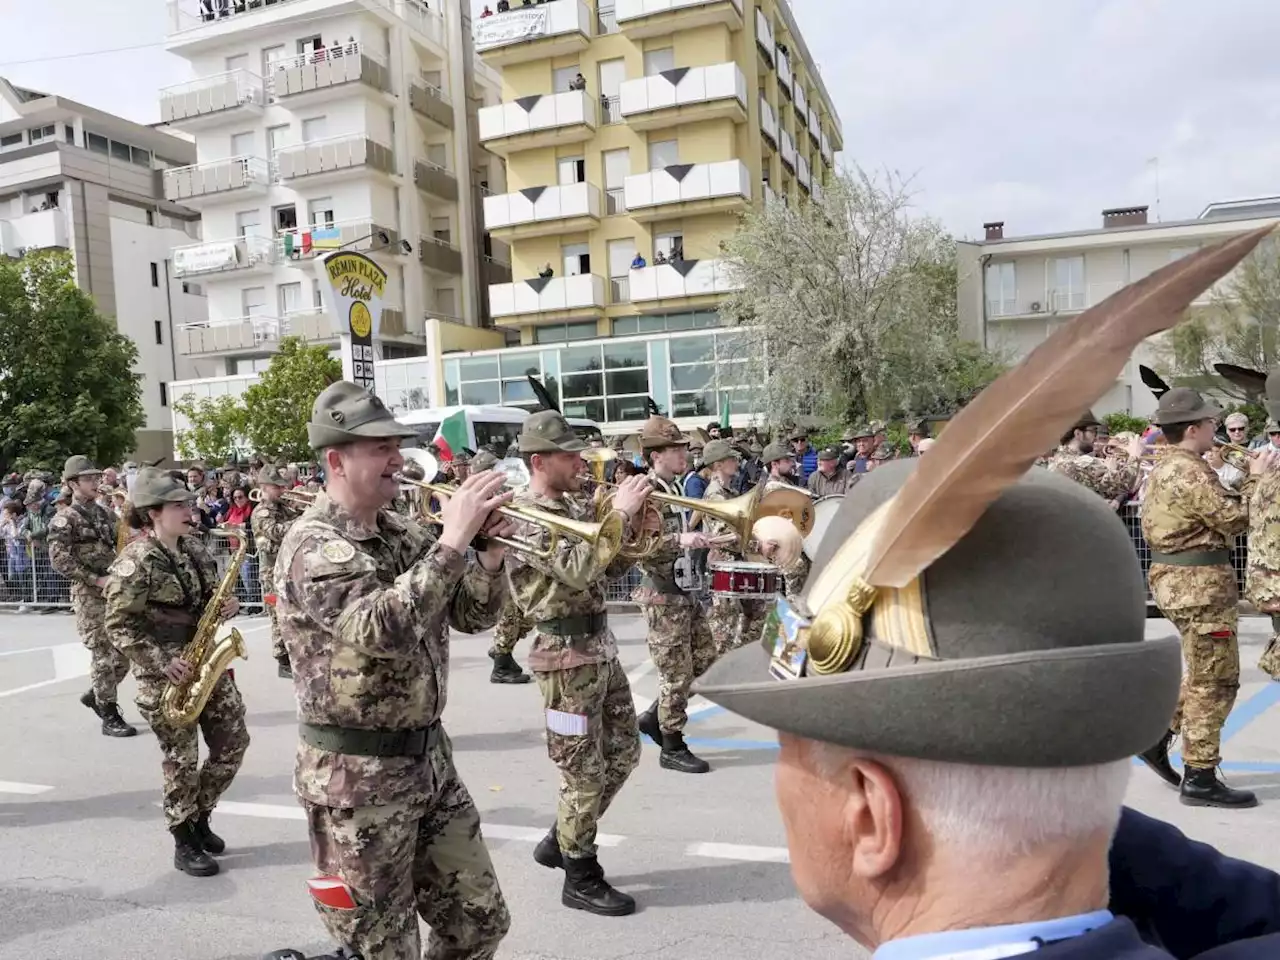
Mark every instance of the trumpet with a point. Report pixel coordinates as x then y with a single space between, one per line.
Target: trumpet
1235 448
299 498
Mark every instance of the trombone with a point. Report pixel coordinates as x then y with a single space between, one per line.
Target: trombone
605 536
299 498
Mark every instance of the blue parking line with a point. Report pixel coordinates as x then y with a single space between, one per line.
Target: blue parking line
1249 711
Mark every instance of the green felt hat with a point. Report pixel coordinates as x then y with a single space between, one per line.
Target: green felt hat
79 466
273 475
1184 405
154 488
345 412
548 432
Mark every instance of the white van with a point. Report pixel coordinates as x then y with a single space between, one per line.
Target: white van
491 425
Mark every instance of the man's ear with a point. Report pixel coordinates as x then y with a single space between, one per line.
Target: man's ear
873 819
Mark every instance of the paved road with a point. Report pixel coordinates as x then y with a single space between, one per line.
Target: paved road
85 863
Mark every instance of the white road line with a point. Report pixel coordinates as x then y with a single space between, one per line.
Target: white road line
644 669
26 789
503 831
269 811
18 653
737 851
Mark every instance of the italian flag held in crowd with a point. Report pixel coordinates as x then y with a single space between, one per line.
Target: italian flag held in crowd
451 435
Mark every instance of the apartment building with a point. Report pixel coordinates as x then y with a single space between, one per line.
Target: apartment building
1016 291
635 134
82 180
318 126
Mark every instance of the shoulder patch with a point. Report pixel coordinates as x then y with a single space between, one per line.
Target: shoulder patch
124 567
59 523
338 551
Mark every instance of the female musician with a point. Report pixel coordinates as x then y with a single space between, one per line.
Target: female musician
156 592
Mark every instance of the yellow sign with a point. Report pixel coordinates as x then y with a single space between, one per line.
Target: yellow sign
354 287
361 321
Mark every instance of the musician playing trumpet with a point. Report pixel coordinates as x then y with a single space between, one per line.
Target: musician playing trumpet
271 519
1111 478
734 621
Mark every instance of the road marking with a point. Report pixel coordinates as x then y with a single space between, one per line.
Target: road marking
26 789
70 660
18 653
737 851
644 669
503 831
268 811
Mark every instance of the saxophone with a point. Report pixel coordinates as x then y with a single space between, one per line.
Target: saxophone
209 657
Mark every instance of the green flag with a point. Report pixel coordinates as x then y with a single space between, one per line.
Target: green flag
724 412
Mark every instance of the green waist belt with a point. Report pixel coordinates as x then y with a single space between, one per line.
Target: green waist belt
574 626
370 743
1192 558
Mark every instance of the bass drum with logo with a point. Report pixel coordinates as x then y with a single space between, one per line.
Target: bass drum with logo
824 509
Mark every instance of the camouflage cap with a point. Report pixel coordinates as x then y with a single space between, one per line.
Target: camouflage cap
776 451
345 412
272 475
876 426
484 460
829 453
548 432
1184 405
658 433
79 466
718 450
1273 426
154 488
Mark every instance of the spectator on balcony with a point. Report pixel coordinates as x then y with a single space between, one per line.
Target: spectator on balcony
546 273
637 262
578 83
486 12
504 6
677 252
659 258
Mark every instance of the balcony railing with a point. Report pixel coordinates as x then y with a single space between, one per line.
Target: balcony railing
768 121
815 126
334 155
764 37
682 96
334 66
606 21
316 240
802 103
537 211
431 102
203 20
645 18
216 178
568 117
534 32
727 180
218 96
431 178
582 294
784 73
770 198
686 278
222 256
788 150
33 231
824 144
610 110
619 289
615 201
802 172
439 255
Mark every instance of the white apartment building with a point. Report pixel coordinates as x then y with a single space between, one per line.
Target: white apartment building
321 124
83 180
1015 291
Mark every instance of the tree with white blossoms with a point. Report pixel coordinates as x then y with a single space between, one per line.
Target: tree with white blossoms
848 306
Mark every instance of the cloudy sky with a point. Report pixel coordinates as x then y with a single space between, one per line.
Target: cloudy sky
1034 112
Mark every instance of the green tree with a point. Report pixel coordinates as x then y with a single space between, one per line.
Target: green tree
67 380
216 424
277 407
848 305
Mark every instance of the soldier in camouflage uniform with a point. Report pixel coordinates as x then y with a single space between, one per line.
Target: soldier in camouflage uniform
1109 479
156 593
781 466
1190 521
1263 581
365 605
680 640
82 544
590 715
270 521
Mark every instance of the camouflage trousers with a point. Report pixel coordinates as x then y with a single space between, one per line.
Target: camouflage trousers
511 628
1269 662
107 665
735 623
592 737
1209 683
405 861
266 579
681 647
189 788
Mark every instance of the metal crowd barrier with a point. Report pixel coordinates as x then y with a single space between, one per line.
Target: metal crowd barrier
1131 514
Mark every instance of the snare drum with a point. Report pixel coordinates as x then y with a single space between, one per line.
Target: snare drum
745 581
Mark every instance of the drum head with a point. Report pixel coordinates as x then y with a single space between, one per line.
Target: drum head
824 509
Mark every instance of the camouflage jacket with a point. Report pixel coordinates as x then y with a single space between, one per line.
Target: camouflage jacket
659 583
1187 508
1263 575
82 543
569 584
1110 480
270 522
838 484
156 597
717 528
364 613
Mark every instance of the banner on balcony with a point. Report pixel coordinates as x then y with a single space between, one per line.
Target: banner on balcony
353 287
510 27
205 258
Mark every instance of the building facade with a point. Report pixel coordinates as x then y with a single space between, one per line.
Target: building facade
317 126
1014 292
79 179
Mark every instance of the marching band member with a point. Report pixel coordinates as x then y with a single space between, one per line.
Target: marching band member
734 621
271 520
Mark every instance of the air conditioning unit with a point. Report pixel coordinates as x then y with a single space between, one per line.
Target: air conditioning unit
1037 307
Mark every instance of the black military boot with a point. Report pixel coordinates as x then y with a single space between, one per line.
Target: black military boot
113 724
585 888
188 855
1157 758
1201 787
506 670
648 724
284 669
90 701
210 842
547 852
676 756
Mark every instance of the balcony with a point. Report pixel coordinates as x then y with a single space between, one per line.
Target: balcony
435 180
788 151
651 18
439 256
543 211
334 158
768 122
686 278
685 95
308 77
495 271
785 79
815 126
248 254
548 298
802 172
207 101
237 335
547 120
217 180
688 189
33 231
430 102
537 32
362 234
802 104
764 37
825 146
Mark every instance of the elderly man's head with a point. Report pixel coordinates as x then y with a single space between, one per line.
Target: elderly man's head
1237 427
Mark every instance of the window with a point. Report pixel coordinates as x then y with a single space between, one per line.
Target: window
159 331
277 138
310 45
139 156
164 393
440 229
617 167
446 302
247 223
239 62
560 332
561 77
320 212
155 274
655 61
151 218
620 253
1066 278
242 144
668 243
1177 253
663 153
612 74
1002 289
577 259
253 301
12 140
38 134
290 296
285 218
571 170
51 199
270 57
121 151
69 132
96 143
314 128
665 322
438 154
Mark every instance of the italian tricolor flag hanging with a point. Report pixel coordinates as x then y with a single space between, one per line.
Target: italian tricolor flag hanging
451 435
